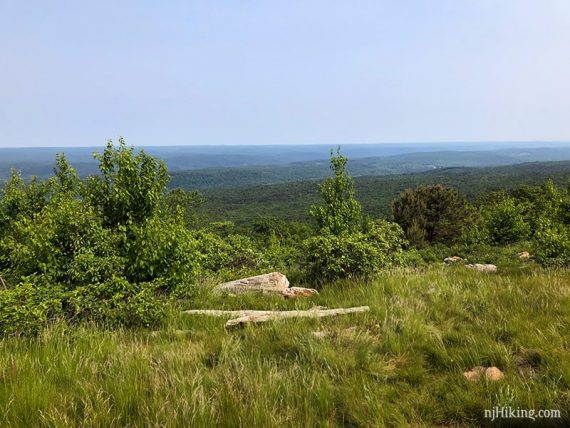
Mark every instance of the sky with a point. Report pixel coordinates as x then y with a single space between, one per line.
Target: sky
76 73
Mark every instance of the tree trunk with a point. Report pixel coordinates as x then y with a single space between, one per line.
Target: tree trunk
251 316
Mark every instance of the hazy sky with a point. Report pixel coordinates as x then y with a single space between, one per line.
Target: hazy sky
283 72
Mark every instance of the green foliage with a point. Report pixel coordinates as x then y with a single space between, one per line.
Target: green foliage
331 257
347 246
130 186
100 245
430 214
354 255
505 222
163 250
22 199
291 201
229 255
27 308
340 212
115 247
180 203
118 302
57 242
66 179
552 244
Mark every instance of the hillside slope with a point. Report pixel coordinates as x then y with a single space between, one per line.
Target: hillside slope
291 201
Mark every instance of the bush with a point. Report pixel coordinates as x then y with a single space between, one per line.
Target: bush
98 250
130 187
26 308
164 250
430 214
506 223
353 255
330 257
48 242
118 302
230 255
552 244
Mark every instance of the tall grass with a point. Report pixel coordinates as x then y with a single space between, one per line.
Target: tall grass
401 364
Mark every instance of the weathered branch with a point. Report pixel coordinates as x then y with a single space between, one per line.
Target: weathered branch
251 316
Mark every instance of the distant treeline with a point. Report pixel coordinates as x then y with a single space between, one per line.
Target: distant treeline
291 201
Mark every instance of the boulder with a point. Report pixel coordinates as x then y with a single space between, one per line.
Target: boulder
273 282
453 259
482 267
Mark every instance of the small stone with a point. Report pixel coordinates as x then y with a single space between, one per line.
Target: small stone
525 255
453 259
493 373
320 334
474 374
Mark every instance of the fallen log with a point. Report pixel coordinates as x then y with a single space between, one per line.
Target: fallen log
252 316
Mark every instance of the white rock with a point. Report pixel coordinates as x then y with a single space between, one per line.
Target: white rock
273 282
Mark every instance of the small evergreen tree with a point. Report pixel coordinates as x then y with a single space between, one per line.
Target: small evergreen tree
430 214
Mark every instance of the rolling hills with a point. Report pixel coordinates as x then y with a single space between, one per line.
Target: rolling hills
291 201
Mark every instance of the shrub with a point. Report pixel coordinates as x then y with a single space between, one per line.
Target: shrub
330 257
505 222
162 249
552 244
27 308
48 242
130 186
353 255
230 255
430 214
21 199
118 301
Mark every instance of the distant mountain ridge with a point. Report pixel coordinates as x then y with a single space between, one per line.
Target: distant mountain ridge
258 162
370 166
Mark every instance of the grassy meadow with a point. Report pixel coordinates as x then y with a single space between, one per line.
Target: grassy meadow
401 364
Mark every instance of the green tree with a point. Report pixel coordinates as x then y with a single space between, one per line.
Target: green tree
430 214
130 187
340 211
